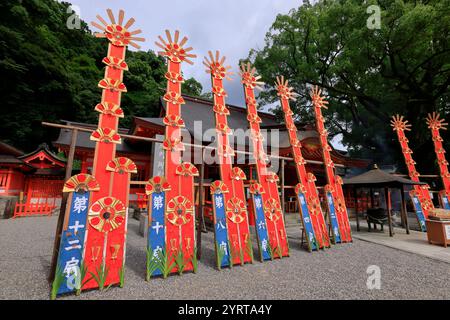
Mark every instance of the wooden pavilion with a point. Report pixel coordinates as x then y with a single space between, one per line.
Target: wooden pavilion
378 179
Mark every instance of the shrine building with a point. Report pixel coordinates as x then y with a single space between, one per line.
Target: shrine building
34 175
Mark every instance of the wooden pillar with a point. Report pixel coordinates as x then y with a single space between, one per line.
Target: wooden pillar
200 209
282 188
355 194
60 222
387 197
404 210
372 201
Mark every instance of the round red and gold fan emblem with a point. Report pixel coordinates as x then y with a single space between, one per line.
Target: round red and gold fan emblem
81 183
314 205
272 209
107 214
157 184
236 210
179 211
299 188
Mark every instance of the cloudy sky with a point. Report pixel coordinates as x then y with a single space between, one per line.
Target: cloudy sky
231 26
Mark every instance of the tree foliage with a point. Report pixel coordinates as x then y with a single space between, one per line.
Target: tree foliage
50 72
368 75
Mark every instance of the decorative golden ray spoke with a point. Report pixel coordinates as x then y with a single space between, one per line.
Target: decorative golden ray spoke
174 50
435 122
215 66
398 123
250 77
116 33
284 91
317 99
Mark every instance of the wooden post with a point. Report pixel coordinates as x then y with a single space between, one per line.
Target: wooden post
282 189
60 222
372 201
404 210
355 194
200 209
388 208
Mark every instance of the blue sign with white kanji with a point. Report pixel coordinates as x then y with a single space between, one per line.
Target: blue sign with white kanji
156 234
221 231
445 202
333 218
261 227
307 224
419 213
72 243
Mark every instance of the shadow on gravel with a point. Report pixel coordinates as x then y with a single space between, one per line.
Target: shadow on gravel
134 228
135 260
208 257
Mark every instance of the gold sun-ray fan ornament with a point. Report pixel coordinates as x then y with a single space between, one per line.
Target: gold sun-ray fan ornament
434 121
284 91
173 50
116 32
317 98
249 76
398 122
215 66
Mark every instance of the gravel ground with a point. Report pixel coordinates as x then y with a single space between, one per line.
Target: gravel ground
338 273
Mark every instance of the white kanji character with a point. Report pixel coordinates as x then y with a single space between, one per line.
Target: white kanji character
158 202
80 204
258 203
157 252
157 226
307 219
71 267
336 231
74 244
264 244
219 201
302 200
76 226
261 225
223 246
220 225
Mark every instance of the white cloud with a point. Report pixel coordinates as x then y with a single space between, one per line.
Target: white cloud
233 27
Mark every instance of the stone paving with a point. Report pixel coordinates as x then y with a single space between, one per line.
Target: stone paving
337 273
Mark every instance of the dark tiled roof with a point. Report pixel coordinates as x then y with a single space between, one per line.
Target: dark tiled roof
379 178
9 159
7 149
43 147
83 138
200 111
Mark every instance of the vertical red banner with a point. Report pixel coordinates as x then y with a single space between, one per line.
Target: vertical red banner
334 181
400 125
104 252
180 243
232 177
435 124
306 180
276 229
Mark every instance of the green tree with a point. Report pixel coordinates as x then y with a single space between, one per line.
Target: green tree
50 72
368 75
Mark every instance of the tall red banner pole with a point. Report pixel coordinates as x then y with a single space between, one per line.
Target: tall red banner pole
334 181
435 124
268 180
104 252
180 242
400 125
306 189
233 177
